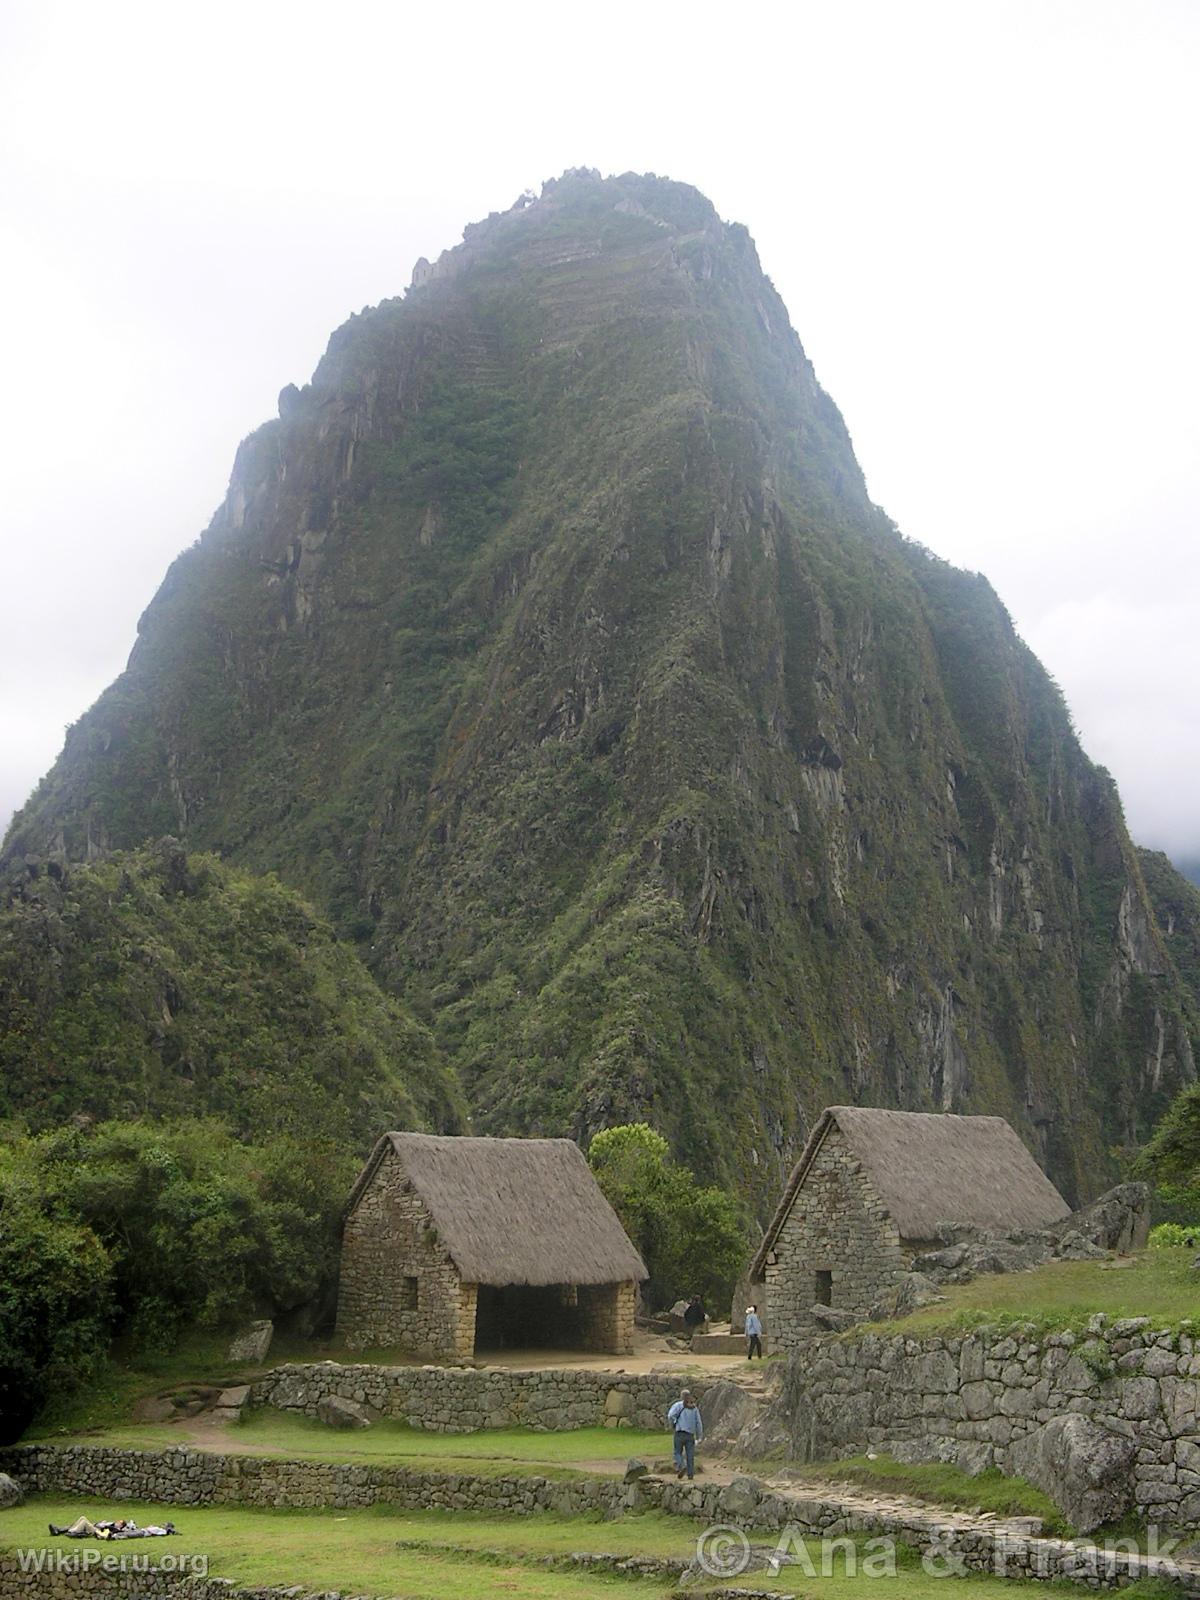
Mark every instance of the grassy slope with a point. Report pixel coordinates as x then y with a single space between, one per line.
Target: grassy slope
1158 1284
357 1551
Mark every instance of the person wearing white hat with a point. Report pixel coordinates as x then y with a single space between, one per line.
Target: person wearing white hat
753 1334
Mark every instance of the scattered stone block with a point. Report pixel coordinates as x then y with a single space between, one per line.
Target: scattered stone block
11 1492
253 1342
154 1408
340 1413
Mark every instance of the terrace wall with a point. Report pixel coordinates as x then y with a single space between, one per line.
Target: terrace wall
463 1399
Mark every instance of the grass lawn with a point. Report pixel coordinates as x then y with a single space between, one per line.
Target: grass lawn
459 1556
1158 1284
386 1443
944 1485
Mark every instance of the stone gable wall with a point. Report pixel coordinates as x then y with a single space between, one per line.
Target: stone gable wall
388 1239
837 1224
462 1399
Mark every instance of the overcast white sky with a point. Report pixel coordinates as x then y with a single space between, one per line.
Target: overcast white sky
982 216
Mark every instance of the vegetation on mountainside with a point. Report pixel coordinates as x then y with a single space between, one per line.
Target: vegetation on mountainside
155 984
551 645
145 1230
693 1239
1171 1162
1176 902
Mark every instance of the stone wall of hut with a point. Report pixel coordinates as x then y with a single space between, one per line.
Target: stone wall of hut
837 1225
398 1286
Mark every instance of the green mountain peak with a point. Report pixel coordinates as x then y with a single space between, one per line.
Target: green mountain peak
549 642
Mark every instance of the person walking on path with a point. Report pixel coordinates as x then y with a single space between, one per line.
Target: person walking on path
753 1334
684 1417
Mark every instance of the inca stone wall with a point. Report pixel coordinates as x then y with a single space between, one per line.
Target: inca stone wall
187 1478
606 1316
976 1399
837 1225
461 1399
398 1286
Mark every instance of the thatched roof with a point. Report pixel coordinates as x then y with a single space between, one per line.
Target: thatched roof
932 1167
519 1211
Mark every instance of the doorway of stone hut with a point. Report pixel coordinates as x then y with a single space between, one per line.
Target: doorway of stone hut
520 1317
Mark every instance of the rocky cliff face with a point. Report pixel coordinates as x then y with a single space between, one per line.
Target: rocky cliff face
549 641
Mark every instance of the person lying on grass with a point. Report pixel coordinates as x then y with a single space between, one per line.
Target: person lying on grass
121 1528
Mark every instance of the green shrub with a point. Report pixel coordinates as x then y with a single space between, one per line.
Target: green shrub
1173 1236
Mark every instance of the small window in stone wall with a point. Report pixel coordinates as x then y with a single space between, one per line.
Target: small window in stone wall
408 1294
824 1288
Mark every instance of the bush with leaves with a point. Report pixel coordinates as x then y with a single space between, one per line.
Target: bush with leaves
201 1228
1170 1160
55 1294
693 1239
145 1229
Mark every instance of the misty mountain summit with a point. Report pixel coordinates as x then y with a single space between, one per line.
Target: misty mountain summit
549 643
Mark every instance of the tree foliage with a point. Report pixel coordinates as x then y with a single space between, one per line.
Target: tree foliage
692 1238
144 1230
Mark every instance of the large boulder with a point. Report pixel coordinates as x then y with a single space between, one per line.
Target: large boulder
1119 1220
746 1292
750 1427
1085 1469
341 1413
11 1492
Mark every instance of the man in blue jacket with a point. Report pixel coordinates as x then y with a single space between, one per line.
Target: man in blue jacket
684 1417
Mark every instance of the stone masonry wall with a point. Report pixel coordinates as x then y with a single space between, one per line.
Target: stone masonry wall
969 1398
606 1317
189 1478
460 1399
838 1224
388 1241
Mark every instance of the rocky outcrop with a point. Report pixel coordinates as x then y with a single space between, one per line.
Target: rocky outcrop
1118 1221
11 1493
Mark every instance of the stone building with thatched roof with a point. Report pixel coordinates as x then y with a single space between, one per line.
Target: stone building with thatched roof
454 1245
872 1189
